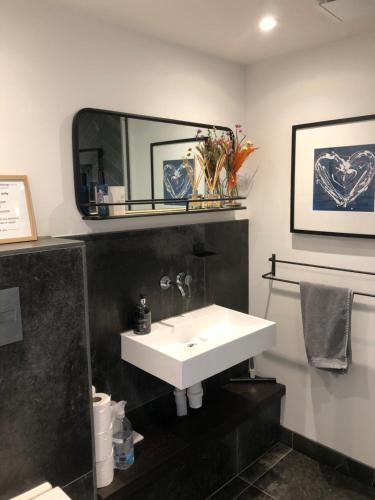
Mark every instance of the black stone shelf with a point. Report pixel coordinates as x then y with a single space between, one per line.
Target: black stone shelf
42 244
169 438
154 213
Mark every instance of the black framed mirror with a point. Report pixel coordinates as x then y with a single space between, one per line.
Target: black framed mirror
128 165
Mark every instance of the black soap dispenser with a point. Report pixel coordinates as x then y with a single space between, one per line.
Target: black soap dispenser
142 317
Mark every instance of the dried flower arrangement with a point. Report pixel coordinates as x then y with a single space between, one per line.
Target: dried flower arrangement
214 153
194 175
240 151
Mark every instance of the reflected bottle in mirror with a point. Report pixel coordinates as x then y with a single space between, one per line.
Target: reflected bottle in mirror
92 188
102 195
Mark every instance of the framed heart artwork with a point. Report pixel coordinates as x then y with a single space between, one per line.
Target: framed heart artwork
333 178
170 179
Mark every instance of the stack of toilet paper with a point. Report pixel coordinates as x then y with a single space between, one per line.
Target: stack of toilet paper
103 438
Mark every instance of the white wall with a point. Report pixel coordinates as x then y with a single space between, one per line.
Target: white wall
334 81
53 63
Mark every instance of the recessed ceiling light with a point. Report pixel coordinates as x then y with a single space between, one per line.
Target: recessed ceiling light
268 23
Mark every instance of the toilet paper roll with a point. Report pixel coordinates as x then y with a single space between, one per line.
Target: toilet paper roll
102 412
104 472
103 444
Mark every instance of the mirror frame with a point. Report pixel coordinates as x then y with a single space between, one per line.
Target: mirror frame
76 151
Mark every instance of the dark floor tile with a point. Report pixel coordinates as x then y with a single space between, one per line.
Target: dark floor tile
333 458
317 451
252 493
297 477
265 462
357 470
231 490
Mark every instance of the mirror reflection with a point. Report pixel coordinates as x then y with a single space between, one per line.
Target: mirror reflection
153 163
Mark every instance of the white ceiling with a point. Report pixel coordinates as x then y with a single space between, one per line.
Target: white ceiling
229 28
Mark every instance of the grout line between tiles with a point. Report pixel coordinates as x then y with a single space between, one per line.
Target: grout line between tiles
256 460
265 492
248 483
270 468
225 484
242 491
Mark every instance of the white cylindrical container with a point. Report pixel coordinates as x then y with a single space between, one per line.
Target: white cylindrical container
103 444
93 390
102 412
195 395
104 472
181 403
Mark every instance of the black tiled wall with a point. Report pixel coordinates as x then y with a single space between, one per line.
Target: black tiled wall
122 265
44 380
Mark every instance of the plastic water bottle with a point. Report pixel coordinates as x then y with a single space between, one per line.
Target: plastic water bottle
123 446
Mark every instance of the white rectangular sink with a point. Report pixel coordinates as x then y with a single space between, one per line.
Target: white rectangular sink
184 350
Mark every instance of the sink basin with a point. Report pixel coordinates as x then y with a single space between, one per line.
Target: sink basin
186 349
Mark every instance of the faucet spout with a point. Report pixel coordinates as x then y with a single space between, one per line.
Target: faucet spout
182 280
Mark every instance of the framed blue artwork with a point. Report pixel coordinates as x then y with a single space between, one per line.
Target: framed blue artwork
170 177
344 178
176 182
333 178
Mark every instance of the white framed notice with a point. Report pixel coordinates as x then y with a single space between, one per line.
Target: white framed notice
16 213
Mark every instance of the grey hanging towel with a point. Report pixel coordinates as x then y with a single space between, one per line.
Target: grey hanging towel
326 318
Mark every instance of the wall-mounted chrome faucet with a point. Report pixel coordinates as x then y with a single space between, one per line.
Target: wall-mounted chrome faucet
183 281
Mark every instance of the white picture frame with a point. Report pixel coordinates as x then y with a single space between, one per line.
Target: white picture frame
17 222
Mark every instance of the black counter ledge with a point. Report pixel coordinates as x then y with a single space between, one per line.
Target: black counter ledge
42 244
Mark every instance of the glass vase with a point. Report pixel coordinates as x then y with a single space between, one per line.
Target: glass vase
212 200
232 192
195 205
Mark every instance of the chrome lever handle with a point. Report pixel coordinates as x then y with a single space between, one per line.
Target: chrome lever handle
182 280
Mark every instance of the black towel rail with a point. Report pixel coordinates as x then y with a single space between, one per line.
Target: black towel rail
272 274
